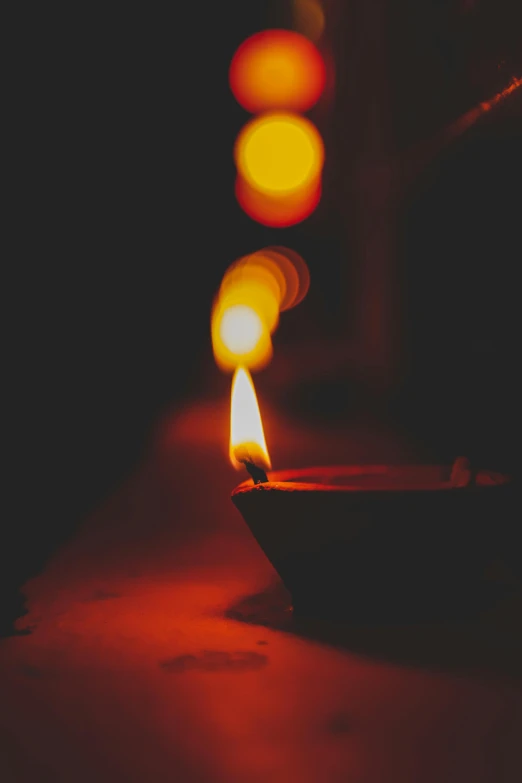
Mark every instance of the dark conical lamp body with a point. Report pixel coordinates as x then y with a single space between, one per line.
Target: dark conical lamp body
374 543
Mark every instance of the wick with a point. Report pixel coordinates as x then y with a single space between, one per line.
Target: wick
258 474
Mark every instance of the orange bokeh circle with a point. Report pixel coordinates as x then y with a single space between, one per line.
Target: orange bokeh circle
278 211
277 69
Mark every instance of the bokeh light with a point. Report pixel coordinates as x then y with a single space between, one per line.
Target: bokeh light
240 329
233 330
277 69
258 281
278 211
279 153
295 271
246 310
257 293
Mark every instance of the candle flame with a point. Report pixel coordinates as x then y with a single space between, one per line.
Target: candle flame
246 428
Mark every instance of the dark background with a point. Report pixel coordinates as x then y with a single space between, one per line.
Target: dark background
127 220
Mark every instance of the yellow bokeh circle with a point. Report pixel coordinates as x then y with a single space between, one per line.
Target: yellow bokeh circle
279 153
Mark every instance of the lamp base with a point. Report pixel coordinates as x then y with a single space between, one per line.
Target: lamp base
379 543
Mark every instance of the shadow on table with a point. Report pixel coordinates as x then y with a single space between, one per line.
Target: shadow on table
488 641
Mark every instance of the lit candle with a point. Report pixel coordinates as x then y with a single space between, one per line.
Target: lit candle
368 542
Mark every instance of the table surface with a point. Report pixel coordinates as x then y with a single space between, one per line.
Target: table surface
137 669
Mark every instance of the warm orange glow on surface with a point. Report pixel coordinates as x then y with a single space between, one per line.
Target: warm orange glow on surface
254 290
278 211
277 69
309 18
246 427
279 154
134 665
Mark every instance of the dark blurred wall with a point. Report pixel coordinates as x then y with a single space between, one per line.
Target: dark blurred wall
461 251
434 255
459 247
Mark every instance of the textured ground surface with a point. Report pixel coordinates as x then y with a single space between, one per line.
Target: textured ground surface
148 661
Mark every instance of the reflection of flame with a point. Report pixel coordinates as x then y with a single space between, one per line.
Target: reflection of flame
246 427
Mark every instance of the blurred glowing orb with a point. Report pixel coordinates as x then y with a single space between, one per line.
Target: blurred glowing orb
309 18
240 329
278 211
257 288
256 270
279 154
246 310
239 336
256 295
295 271
277 69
